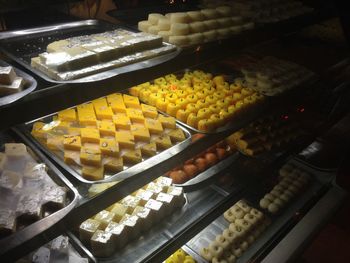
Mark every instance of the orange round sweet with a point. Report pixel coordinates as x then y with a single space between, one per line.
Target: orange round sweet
201 163
211 158
190 170
178 177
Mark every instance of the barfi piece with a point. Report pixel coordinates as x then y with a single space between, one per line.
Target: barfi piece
54 198
118 106
144 196
109 147
104 217
92 173
72 142
3 159
140 133
154 126
96 189
113 164
87 229
104 112
154 188
119 234
7 222
177 135
149 149
67 115
122 122
90 156
135 115
11 180
125 139
38 131
130 202
106 128
7 75
15 86
71 157
144 215
131 101
54 142
157 209
168 201
29 208
132 225
132 156
102 244
167 122
164 182
90 135
119 211
149 111
104 52
15 150
163 142
178 194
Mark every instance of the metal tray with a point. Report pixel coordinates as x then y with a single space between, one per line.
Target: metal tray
208 175
22 45
138 249
281 222
24 131
11 244
29 86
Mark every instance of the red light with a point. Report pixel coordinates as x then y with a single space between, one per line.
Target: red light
302 109
286 117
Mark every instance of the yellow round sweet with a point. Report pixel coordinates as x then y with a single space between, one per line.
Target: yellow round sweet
172 108
192 119
153 88
182 102
161 104
235 87
182 115
223 103
181 94
170 77
145 94
160 81
171 97
153 98
224 85
205 125
214 108
202 94
219 80
216 120
219 95
236 97
192 107
204 113
202 104
198 87
190 90
135 90
210 99
192 98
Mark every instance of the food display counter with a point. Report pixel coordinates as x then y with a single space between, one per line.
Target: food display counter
159 152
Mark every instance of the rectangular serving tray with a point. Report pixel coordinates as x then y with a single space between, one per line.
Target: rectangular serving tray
22 45
21 239
25 129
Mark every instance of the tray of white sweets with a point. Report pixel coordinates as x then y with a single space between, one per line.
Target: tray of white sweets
84 51
34 196
14 83
110 138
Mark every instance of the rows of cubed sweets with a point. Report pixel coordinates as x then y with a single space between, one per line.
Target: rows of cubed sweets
195 27
291 182
272 76
246 225
266 134
180 256
107 134
201 100
126 220
27 193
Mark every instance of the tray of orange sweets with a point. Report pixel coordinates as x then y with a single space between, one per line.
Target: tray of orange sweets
110 138
200 101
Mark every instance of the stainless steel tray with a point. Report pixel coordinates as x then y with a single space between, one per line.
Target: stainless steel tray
9 245
22 45
142 247
208 175
127 173
29 86
281 222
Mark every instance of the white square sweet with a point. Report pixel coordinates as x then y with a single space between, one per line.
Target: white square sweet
15 150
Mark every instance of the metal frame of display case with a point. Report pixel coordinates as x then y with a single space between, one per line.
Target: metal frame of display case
50 98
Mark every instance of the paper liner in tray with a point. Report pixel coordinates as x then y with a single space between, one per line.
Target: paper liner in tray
24 236
128 171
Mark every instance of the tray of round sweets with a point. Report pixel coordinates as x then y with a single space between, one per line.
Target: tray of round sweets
231 235
109 145
133 228
34 195
14 83
202 102
84 51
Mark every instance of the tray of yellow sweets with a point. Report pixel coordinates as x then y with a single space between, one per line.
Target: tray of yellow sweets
201 101
107 139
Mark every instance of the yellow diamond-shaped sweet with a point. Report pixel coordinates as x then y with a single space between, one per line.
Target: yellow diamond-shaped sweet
106 128
113 164
125 139
133 156
131 101
122 122
109 147
167 122
163 142
140 133
92 173
72 142
149 149
90 135
67 115
135 115
154 126
90 156
149 111
177 135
